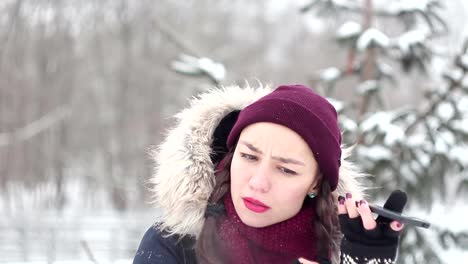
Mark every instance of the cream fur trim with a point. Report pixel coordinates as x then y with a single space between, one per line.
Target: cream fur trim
183 177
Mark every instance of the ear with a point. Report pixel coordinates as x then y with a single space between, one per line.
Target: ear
314 187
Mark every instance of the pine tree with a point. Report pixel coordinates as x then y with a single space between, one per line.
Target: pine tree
416 149
419 150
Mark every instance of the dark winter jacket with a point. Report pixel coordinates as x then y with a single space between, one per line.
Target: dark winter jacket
157 248
184 174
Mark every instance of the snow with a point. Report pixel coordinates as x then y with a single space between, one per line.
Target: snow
385 68
424 158
216 70
461 125
396 7
433 122
456 211
440 213
348 124
410 38
408 174
416 140
367 87
393 134
196 66
375 153
464 61
111 236
349 29
444 142
459 153
338 105
445 111
462 104
314 24
186 64
372 36
446 217
464 83
455 75
119 261
382 121
379 120
330 74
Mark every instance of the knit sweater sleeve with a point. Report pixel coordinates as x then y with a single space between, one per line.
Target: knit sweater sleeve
355 253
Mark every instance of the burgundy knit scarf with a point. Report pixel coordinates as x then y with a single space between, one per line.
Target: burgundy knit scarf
280 243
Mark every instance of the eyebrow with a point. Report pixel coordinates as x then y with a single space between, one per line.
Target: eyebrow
250 146
288 160
282 159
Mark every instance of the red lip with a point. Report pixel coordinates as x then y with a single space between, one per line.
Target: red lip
255 205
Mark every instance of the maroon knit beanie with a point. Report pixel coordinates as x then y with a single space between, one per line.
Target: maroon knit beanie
305 112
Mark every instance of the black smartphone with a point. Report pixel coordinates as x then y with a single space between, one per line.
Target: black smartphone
407 220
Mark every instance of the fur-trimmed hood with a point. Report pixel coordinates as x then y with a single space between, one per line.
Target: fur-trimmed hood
183 177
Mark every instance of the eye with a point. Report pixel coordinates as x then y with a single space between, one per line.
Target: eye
287 171
248 157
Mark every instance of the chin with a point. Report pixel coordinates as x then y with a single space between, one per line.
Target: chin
256 221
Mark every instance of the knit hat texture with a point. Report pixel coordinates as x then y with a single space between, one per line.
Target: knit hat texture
308 114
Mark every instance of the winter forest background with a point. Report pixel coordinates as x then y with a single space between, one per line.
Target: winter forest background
87 87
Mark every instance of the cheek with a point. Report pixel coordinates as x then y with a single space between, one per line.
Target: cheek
239 173
292 195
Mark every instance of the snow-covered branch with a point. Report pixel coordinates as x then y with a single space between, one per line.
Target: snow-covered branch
175 37
195 63
36 127
455 82
406 10
190 65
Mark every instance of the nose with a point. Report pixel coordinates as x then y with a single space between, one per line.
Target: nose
260 181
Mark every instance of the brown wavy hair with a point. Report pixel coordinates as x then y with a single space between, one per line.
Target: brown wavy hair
326 223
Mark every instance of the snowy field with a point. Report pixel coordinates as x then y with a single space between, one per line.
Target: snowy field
102 238
112 238
450 218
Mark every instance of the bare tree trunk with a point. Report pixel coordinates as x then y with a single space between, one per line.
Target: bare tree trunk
368 69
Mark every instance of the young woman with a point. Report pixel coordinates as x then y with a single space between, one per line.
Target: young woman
255 176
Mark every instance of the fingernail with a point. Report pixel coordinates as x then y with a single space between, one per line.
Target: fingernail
362 202
341 199
349 196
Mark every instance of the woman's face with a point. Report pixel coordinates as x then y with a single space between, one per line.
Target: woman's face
272 171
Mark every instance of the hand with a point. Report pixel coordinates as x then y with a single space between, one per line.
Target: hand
320 261
348 208
363 234
305 261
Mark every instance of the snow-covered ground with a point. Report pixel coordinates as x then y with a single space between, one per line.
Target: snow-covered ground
112 238
106 237
450 217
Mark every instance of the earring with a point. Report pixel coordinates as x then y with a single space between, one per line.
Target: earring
311 195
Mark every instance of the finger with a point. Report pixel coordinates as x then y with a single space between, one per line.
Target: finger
344 218
351 206
367 218
305 261
392 230
396 226
341 205
351 228
395 202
